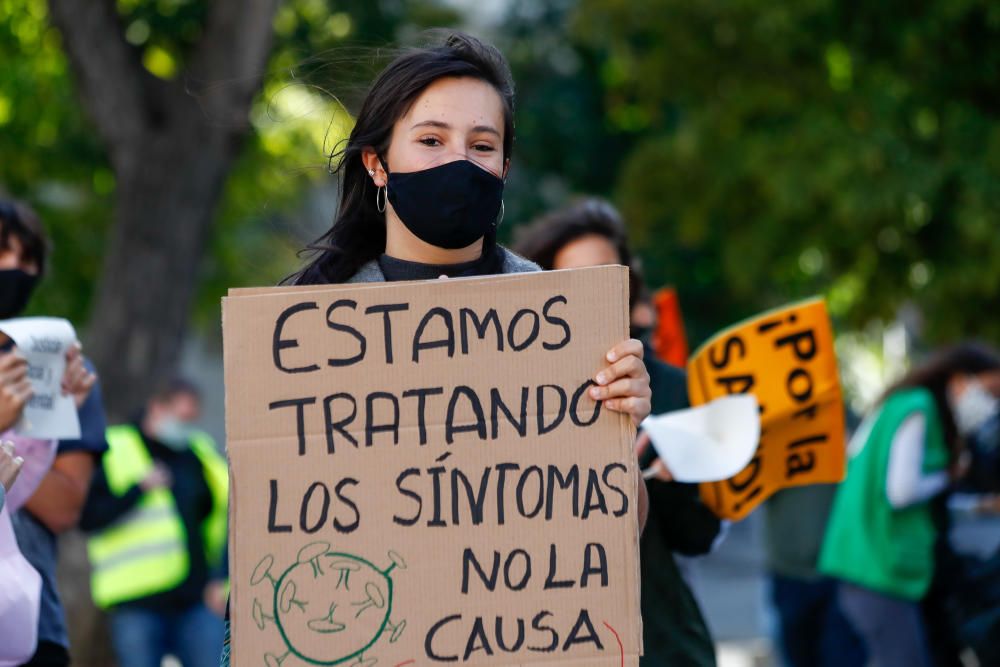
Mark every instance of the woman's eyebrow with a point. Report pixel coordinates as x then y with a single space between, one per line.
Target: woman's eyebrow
445 126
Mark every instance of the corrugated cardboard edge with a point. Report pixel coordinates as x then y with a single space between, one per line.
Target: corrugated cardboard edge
234 605
507 277
628 438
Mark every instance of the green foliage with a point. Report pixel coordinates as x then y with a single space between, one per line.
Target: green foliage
50 156
776 150
320 65
760 151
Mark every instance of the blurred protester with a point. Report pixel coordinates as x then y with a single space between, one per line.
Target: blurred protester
10 466
889 513
592 233
55 504
20 585
157 513
811 628
962 607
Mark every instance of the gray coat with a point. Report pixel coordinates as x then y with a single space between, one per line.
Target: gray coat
512 263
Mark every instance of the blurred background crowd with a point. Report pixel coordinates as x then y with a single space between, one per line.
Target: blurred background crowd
755 152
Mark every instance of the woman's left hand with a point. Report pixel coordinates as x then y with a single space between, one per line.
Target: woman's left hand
624 385
77 381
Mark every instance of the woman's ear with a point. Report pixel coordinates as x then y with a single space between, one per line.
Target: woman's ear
506 168
373 166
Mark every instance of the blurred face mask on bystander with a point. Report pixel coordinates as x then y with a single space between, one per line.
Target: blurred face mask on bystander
18 279
171 421
174 432
16 287
972 406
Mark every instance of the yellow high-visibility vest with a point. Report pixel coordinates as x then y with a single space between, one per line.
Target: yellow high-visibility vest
145 551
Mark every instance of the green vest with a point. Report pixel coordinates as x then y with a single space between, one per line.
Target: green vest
868 542
145 552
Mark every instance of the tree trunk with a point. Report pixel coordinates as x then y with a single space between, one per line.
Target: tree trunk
165 205
171 145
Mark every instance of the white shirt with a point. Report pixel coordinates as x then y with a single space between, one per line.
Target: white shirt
905 483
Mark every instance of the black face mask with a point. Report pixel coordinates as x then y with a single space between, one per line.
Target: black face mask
16 287
450 206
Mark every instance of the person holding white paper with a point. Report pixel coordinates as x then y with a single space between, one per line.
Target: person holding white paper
889 515
55 505
592 233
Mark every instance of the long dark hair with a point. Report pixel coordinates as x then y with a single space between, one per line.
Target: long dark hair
967 358
358 234
20 221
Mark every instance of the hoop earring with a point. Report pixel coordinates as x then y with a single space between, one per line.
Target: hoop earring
380 194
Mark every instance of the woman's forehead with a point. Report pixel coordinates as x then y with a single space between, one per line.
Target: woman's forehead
460 103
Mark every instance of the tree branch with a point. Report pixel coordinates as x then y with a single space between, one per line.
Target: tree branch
228 64
108 70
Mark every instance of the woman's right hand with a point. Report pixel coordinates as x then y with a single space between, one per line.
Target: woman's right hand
657 469
10 464
15 389
158 478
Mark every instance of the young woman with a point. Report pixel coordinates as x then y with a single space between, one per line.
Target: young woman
882 531
422 177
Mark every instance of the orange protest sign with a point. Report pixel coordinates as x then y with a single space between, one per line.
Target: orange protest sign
785 358
669 339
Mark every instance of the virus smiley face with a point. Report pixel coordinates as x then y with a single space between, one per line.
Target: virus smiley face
329 607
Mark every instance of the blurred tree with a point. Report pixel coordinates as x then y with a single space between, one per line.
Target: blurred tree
171 118
268 144
226 183
566 141
766 151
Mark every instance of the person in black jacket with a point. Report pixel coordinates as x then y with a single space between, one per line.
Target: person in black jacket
592 233
159 503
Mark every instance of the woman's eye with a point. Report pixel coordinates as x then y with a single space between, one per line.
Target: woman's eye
484 148
430 141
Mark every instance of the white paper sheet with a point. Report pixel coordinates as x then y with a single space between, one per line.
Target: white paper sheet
43 342
708 443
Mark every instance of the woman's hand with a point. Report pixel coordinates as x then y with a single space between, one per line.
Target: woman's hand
216 597
15 388
10 464
624 385
657 469
77 380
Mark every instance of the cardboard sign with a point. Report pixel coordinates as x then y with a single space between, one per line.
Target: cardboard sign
419 475
786 359
43 342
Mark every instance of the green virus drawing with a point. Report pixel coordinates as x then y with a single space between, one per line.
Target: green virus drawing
330 607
